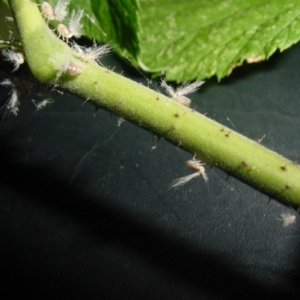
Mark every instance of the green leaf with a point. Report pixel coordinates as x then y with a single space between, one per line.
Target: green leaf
92 28
112 21
199 38
192 39
120 21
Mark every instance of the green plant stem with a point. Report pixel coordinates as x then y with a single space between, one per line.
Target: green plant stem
49 59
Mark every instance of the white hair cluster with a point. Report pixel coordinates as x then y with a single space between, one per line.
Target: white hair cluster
74 28
185 89
287 219
12 104
91 54
41 104
14 57
74 23
195 165
59 11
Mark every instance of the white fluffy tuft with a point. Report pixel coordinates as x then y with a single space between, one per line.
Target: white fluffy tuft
74 24
61 9
189 88
12 104
287 219
183 180
16 58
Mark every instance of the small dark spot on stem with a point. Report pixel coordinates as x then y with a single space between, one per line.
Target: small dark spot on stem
244 164
222 129
173 127
227 134
177 115
283 168
287 187
157 98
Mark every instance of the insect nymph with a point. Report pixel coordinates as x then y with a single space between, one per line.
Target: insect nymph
195 165
178 94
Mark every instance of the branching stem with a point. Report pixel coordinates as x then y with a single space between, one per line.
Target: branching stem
53 61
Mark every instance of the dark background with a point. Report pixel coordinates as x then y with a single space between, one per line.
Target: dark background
86 212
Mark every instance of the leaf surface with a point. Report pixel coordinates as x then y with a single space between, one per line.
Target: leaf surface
198 38
120 21
195 39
